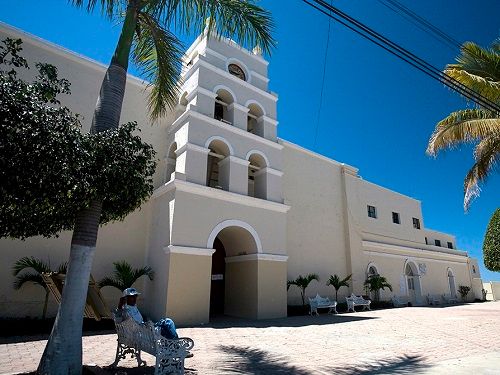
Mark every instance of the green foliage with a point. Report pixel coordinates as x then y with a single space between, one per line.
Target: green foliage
338 283
478 69
23 271
302 282
375 283
49 169
491 245
463 290
124 276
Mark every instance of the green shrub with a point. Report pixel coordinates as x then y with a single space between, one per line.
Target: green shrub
491 245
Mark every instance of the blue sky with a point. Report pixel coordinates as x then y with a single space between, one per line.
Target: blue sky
377 112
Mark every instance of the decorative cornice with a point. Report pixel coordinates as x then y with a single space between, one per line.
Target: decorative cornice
234 159
238 107
229 76
192 147
190 113
270 171
174 249
257 256
259 76
219 194
443 252
201 90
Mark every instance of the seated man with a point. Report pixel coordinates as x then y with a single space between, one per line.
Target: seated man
128 305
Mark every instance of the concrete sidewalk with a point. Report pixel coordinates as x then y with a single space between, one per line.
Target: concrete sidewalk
463 339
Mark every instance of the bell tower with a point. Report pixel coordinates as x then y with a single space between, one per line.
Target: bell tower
223 190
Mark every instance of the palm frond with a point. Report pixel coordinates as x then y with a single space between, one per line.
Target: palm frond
478 61
483 86
245 21
145 271
29 277
108 7
24 263
63 268
109 281
157 53
461 127
487 155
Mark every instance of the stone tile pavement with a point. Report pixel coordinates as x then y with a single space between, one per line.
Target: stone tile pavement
461 339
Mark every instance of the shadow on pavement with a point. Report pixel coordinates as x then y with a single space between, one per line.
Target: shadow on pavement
245 360
294 321
241 360
404 364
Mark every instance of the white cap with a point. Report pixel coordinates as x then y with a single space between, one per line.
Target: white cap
130 292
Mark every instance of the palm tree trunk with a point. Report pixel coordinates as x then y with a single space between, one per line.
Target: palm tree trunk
63 352
45 303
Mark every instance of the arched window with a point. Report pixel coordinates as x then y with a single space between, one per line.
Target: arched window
171 160
218 176
237 71
222 102
254 113
257 184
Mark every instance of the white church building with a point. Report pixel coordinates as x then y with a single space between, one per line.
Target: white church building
237 211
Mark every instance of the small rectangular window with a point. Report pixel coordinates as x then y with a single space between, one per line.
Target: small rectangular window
426 241
416 223
395 218
372 211
450 245
437 242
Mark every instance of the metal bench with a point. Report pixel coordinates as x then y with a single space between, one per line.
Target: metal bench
354 300
134 338
433 300
319 302
399 301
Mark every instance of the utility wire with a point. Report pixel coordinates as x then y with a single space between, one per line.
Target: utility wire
401 53
440 34
322 82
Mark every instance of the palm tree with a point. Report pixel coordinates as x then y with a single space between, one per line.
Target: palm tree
302 283
125 276
39 267
337 283
374 283
147 35
479 69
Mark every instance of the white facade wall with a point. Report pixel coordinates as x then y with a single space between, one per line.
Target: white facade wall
312 218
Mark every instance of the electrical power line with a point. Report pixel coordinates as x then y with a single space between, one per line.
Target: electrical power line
401 53
422 23
322 82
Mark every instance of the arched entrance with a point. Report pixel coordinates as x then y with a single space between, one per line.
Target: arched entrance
234 279
217 285
413 283
451 283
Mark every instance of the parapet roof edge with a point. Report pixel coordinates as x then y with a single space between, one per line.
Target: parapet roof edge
45 44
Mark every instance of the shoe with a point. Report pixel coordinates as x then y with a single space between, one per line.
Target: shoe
189 355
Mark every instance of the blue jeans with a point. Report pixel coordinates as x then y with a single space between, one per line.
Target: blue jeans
167 328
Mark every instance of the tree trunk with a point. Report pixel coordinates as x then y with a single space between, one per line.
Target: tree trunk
63 352
45 303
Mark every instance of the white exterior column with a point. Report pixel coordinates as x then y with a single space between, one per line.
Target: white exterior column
238 115
233 173
266 127
202 101
267 184
192 163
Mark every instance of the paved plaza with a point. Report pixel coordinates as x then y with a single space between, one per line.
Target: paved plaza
462 339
